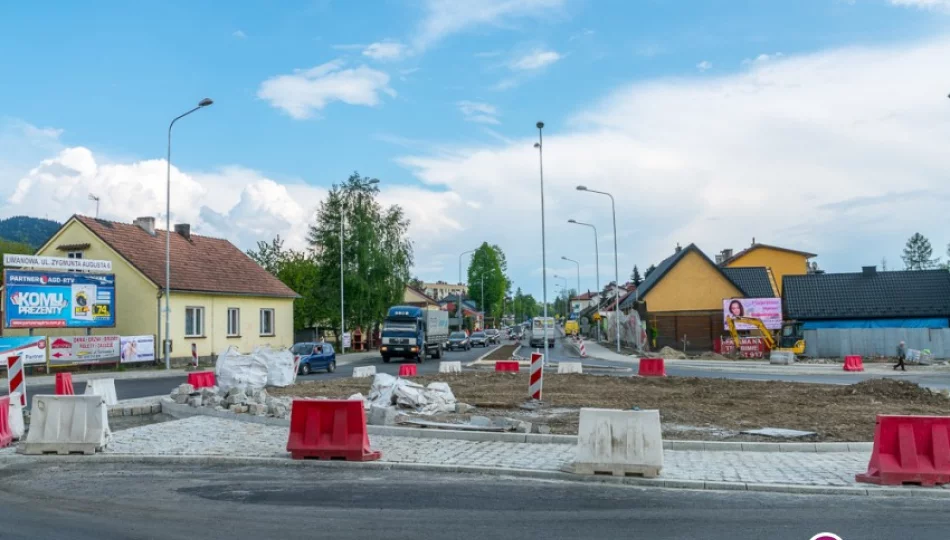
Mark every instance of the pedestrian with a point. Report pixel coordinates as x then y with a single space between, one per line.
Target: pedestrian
901 355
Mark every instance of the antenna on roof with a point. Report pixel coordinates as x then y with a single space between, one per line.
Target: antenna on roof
753 240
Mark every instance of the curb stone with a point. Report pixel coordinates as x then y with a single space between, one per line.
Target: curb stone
635 482
180 411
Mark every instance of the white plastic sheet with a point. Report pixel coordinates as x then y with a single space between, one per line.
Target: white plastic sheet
387 391
280 365
236 370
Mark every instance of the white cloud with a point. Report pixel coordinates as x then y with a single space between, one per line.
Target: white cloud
481 113
239 34
923 4
762 58
536 59
446 17
307 91
704 66
385 51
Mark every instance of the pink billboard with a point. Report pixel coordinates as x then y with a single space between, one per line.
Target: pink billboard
768 310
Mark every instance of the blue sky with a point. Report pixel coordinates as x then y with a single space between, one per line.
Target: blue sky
656 101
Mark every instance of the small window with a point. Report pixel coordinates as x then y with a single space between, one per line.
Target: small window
327 348
74 254
194 322
234 322
267 322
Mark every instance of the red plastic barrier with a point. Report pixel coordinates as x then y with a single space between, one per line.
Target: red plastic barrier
329 429
64 384
201 379
407 370
909 449
510 366
853 363
6 435
652 367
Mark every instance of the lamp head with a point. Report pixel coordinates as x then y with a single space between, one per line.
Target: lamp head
540 125
572 221
581 188
205 102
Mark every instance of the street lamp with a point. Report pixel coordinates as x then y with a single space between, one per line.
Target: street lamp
370 182
166 348
596 261
459 299
613 209
544 257
563 287
578 272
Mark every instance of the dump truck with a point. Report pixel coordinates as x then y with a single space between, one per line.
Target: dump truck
413 333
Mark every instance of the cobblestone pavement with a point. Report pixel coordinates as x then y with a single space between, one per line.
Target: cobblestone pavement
210 436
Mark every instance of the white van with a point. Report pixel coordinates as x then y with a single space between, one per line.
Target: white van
541 329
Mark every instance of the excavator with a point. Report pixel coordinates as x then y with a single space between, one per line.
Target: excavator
790 339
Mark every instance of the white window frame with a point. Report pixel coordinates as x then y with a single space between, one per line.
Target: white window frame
273 321
74 255
199 326
235 329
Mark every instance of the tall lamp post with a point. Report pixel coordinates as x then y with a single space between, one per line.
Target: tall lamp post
370 182
596 262
544 256
563 287
166 346
578 272
459 302
613 209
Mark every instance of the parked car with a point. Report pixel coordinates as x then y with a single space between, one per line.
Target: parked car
479 339
494 336
314 356
459 341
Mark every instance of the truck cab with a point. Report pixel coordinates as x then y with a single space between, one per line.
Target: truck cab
412 333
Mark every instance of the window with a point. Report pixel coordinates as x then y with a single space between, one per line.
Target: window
234 322
74 254
194 322
267 322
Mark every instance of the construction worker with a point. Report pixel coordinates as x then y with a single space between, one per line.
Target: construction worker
901 355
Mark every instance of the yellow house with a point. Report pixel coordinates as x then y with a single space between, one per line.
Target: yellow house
683 296
219 296
780 261
414 297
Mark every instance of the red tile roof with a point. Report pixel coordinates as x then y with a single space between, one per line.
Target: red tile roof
201 264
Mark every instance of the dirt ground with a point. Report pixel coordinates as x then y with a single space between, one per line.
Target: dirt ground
690 408
503 353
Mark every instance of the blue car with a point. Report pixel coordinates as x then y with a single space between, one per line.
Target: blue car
314 356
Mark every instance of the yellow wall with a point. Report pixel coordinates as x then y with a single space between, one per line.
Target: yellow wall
782 263
216 338
136 311
693 284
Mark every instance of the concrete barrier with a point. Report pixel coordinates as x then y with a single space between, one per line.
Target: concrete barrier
782 358
450 367
67 425
104 388
17 427
570 367
364 371
618 442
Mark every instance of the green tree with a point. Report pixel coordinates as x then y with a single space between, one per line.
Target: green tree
417 284
635 276
296 269
377 254
487 269
649 271
524 306
13 248
269 255
918 252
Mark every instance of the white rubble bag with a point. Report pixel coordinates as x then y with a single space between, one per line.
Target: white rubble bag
17 427
280 365
387 391
236 370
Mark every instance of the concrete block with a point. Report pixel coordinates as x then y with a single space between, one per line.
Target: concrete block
185 389
781 358
797 447
450 367
156 408
860 446
382 416
832 447
726 486
237 398
67 424
683 445
619 442
570 367
181 399
364 371
256 409
194 401
239 409
141 410
760 447
104 388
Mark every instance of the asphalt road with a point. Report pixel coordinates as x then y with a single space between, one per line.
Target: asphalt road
100 501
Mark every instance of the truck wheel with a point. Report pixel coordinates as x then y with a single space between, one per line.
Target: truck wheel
386 359
438 352
421 357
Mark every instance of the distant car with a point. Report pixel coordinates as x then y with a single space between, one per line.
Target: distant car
479 339
314 356
494 336
459 341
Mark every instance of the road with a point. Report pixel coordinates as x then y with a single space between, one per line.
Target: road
96 501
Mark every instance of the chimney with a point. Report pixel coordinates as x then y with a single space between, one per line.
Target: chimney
184 230
869 271
678 248
147 224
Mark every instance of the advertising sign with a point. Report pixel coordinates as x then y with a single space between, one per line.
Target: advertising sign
30 349
346 340
749 347
55 263
83 349
137 349
58 300
769 310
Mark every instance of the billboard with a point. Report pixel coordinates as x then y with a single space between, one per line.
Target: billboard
31 349
83 349
137 349
35 299
769 310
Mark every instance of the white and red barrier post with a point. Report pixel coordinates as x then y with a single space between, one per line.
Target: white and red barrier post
535 380
581 348
16 380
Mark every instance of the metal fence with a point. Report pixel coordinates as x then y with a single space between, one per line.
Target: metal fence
840 342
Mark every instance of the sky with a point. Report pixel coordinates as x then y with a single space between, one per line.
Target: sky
818 125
